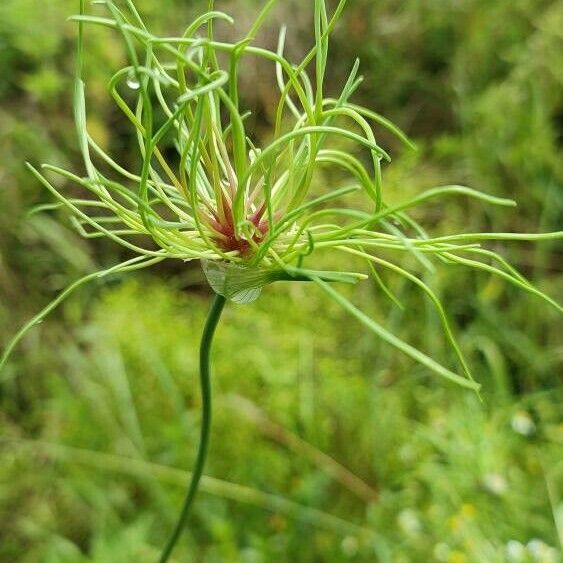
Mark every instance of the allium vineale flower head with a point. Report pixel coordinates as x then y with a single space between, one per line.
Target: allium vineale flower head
245 209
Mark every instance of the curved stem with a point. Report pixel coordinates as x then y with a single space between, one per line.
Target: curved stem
205 382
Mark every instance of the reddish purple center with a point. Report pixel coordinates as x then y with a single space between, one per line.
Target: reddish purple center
226 237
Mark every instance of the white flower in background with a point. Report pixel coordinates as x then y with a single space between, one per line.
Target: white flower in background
409 522
542 552
441 551
523 424
495 483
515 551
535 550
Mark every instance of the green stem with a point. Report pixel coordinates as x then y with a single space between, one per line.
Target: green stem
205 382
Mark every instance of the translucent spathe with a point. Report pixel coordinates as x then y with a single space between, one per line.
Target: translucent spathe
242 284
236 283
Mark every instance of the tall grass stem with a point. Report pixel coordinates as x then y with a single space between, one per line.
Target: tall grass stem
205 382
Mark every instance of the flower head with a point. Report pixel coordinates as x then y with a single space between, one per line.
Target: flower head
250 212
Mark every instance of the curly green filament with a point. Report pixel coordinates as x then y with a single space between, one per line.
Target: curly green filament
205 382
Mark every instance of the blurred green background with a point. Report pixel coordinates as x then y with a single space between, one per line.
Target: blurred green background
327 446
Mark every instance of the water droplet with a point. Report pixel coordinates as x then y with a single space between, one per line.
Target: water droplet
132 82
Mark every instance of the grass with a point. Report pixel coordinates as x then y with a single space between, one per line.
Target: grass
429 451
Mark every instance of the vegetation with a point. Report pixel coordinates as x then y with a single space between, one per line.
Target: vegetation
429 471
